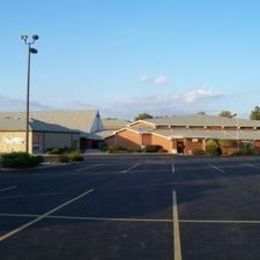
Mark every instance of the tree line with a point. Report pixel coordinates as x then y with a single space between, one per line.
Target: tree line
254 115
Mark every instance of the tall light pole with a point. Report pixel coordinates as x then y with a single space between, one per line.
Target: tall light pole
28 41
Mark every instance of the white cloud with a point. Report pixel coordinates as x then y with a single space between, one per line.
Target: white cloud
198 94
167 104
158 80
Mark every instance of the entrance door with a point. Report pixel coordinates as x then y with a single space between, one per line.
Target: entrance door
180 146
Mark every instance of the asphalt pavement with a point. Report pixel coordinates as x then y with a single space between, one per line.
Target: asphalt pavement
133 207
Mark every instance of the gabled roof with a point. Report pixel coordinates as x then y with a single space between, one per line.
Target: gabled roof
202 120
101 135
169 134
19 124
80 120
114 123
208 134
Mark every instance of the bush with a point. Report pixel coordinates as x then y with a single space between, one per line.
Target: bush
198 152
20 160
212 148
136 150
116 148
75 156
227 143
55 151
153 148
245 149
103 146
63 159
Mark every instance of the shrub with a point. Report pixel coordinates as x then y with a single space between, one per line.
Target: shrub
75 156
20 160
136 150
116 148
103 146
197 152
212 148
55 151
245 149
63 159
153 148
227 143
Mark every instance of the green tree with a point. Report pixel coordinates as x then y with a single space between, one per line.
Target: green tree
225 113
255 114
143 116
201 113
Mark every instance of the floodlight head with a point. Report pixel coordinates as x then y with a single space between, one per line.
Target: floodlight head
35 37
33 51
24 37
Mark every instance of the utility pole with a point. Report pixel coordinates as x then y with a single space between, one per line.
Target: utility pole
31 50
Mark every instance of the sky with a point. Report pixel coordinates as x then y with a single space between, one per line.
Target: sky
163 57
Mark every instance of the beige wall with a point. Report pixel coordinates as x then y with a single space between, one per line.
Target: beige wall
14 142
57 140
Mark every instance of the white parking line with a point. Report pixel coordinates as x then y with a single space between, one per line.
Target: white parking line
176 230
219 221
160 220
8 188
131 168
30 223
173 167
89 167
216 168
251 165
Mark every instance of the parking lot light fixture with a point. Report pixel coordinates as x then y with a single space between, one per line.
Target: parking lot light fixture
29 41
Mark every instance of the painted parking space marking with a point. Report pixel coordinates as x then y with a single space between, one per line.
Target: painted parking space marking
252 166
132 219
176 229
173 167
8 188
219 221
131 168
89 167
152 186
39 218
216 168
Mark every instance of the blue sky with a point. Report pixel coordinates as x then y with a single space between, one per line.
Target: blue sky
125 57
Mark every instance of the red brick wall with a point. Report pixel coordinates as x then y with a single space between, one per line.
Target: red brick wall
126 139
165 143
228 151
162 127
230 128
147 139
190 146
214 128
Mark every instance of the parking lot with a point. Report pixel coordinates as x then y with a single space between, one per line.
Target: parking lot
133 207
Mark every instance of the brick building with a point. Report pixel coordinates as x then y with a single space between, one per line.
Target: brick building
184 134
42 136
84 122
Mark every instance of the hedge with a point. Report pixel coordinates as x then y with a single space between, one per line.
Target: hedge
153 148
75 156
20 160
